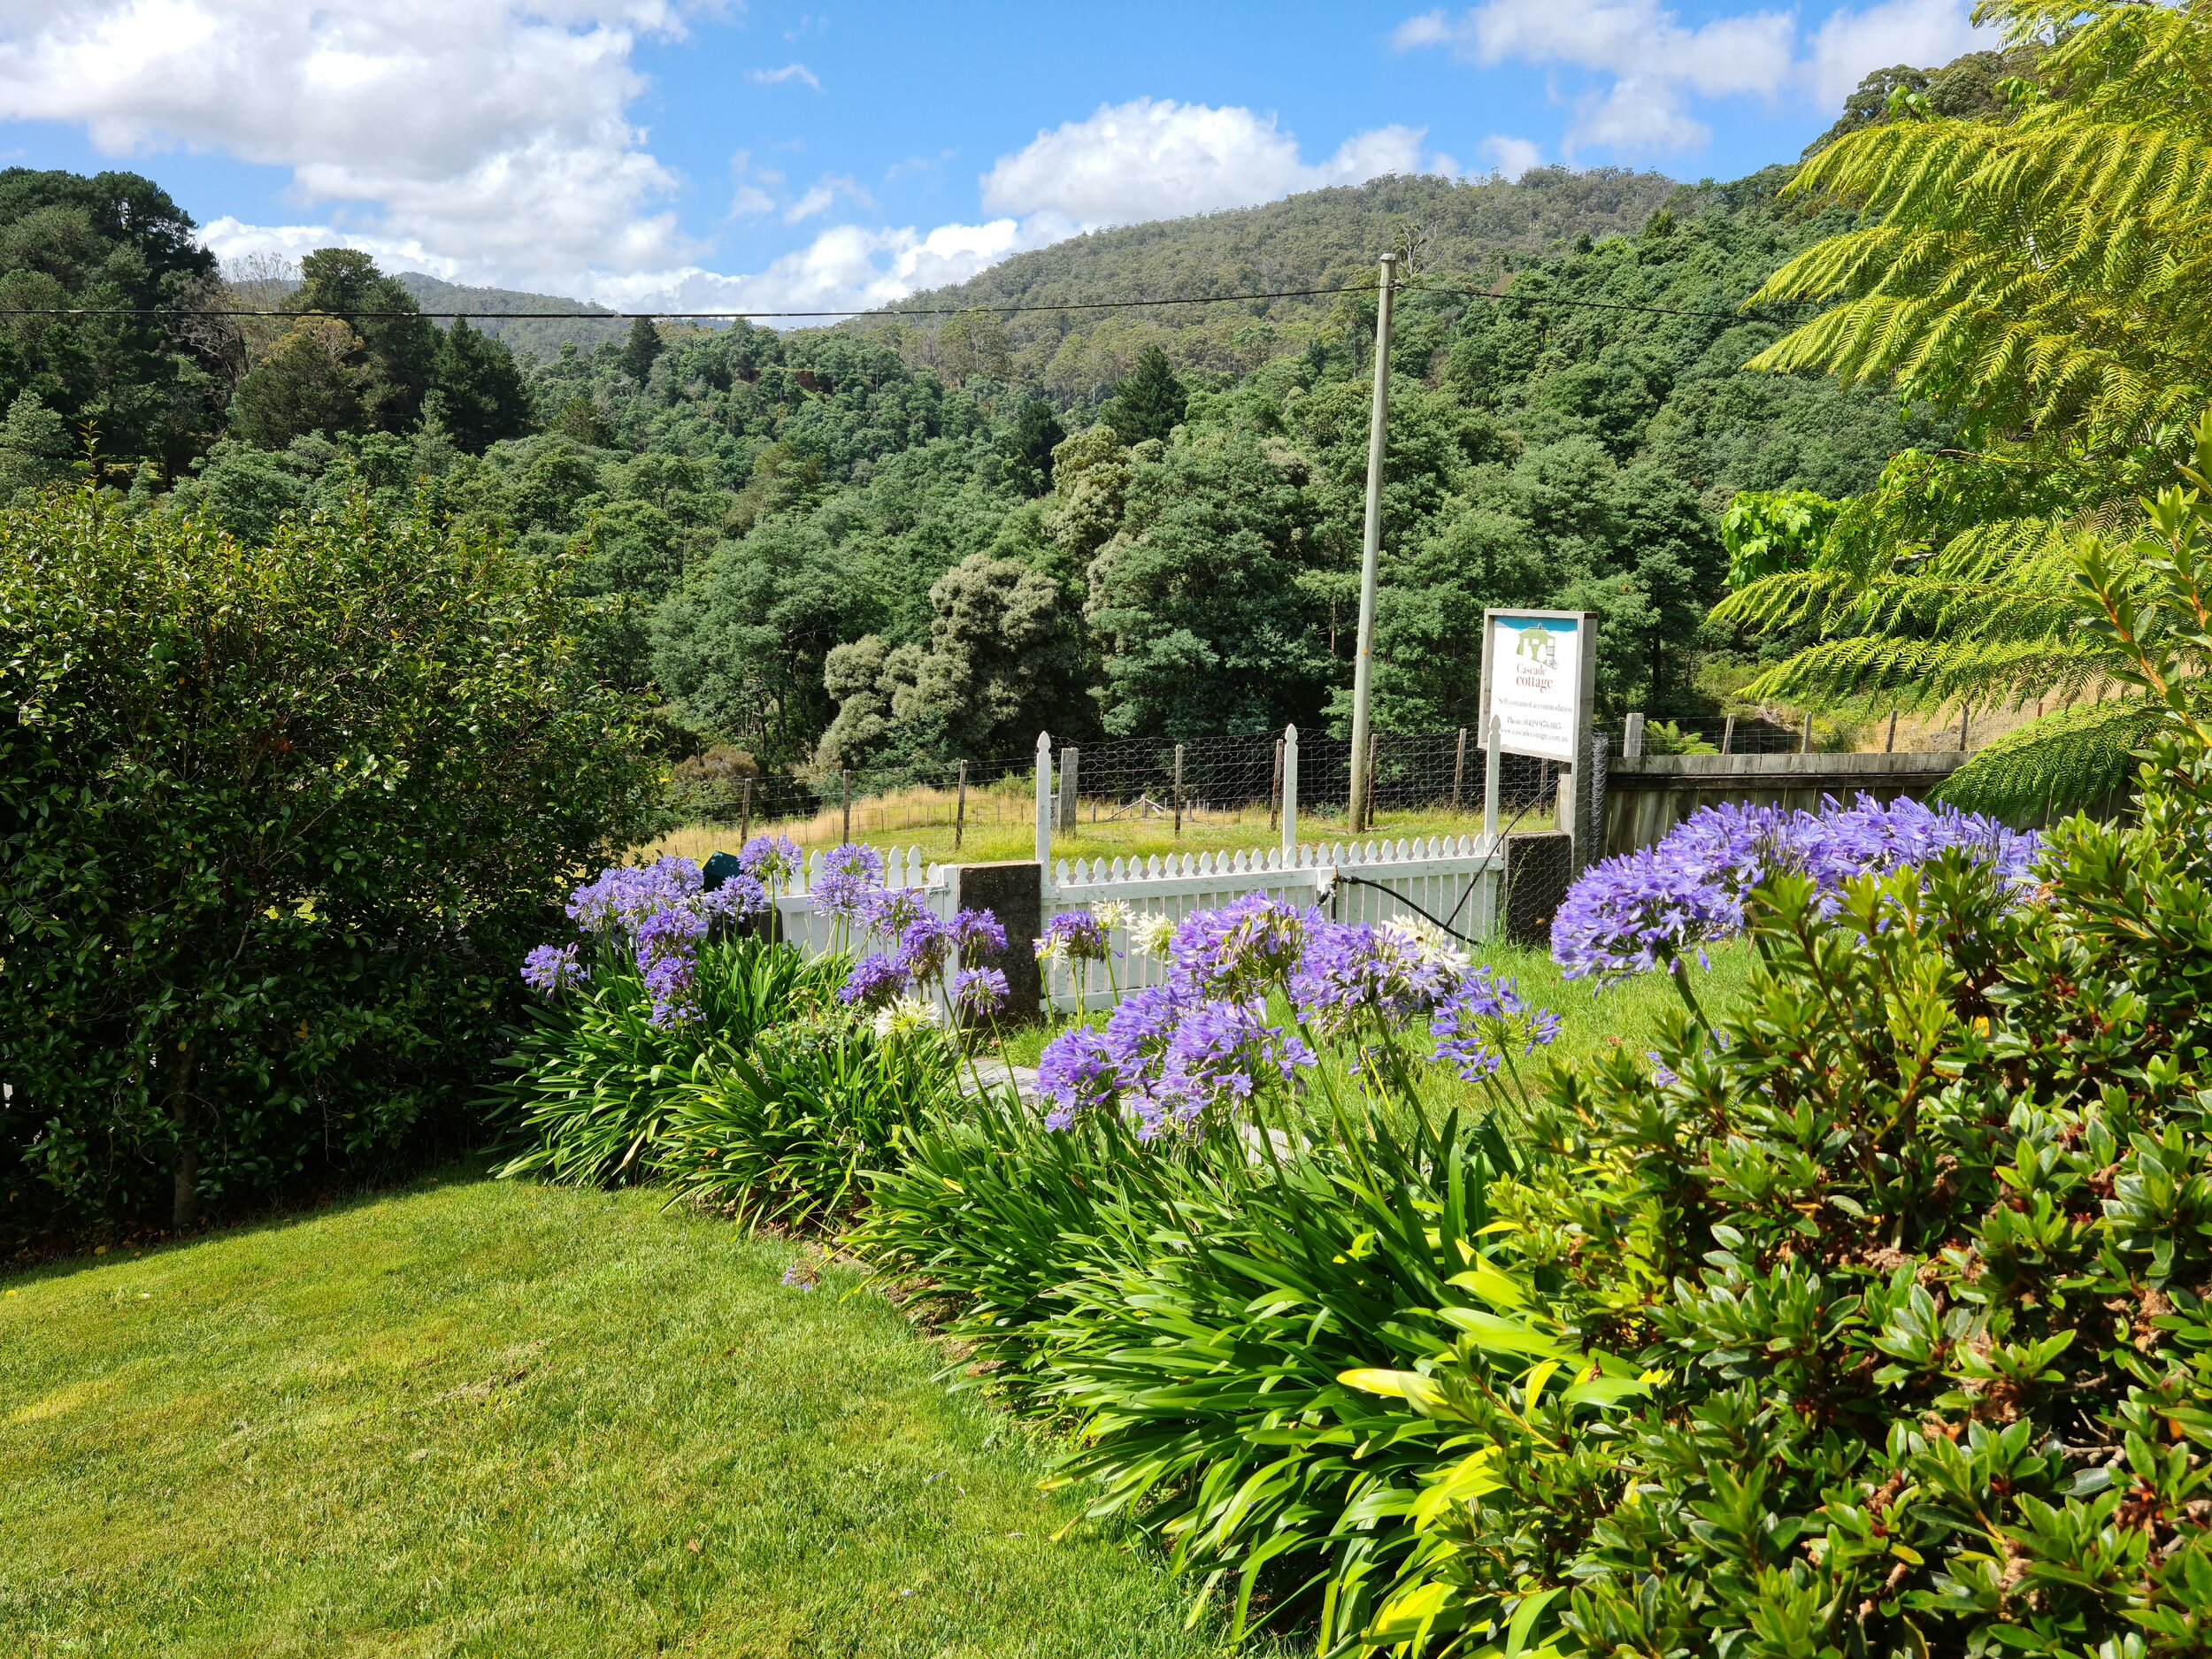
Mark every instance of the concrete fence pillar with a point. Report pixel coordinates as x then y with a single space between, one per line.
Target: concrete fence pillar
1014 893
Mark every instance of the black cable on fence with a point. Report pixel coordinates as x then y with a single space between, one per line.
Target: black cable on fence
1504 890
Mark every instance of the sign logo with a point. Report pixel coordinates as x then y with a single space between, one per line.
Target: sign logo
1537 643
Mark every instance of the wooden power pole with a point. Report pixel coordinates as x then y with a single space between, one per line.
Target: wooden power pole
1370 547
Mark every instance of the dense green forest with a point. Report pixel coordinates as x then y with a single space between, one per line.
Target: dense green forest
906 538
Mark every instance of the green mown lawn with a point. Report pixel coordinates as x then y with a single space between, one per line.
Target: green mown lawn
482 1418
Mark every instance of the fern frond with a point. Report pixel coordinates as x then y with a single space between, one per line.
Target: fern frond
2073 758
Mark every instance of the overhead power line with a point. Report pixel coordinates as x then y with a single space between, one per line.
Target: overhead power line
1554 301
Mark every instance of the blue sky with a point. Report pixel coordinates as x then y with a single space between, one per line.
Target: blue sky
657 152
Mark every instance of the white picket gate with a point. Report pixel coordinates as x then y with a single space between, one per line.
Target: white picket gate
1455 878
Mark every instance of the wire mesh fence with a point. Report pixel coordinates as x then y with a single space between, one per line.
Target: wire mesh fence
1758 734
1140 784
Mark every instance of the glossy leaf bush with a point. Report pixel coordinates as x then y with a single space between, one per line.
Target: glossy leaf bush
276 821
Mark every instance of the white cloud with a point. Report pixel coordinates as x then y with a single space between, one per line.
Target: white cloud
1923 33
1651 65
799 72
1156 159
824 196
1510 156
492 134
1429 29
844 269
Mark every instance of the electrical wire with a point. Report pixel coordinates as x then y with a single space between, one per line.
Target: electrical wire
1555 302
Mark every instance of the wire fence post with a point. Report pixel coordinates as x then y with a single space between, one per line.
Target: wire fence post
1728 736
960 808
1070 761
1632 738
1179 792
1805 740
1890 747
1288 751
845 802
1044 806
1490 760
745 812
1275 789
1964 711
1459 767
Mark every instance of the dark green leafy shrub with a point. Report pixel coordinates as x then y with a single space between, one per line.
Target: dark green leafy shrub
276 824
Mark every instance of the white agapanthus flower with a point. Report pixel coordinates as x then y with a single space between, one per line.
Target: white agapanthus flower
905 1017
1152 935
1428 942
1112 914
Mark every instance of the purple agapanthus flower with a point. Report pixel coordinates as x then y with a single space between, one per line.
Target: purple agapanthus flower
876 981
667 956
1073 936
1077 1073
1645 909
1138 1031
1383 973
1239 948
669 982
924 948
1221 1051
889 912
1486 1016
850 873
977 934
740 895
552 969
770 860
619 899
979 994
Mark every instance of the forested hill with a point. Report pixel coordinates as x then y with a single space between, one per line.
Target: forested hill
1476 232
540 339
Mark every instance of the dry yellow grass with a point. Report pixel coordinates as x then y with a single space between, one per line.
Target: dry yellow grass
1000 826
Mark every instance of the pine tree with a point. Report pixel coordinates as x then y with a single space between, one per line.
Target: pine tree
642 347
483 395
1149 403
1037 433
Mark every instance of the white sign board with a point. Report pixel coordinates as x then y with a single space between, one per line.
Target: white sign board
1536 684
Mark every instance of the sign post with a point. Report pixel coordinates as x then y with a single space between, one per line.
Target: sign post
1539 685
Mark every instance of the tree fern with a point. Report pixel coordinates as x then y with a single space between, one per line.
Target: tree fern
2045 276
2076 758
2048 278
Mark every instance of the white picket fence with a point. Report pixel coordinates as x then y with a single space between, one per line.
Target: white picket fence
1455 878
816 936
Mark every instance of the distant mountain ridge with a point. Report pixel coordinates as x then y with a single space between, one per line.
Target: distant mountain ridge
1482 231
542 338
